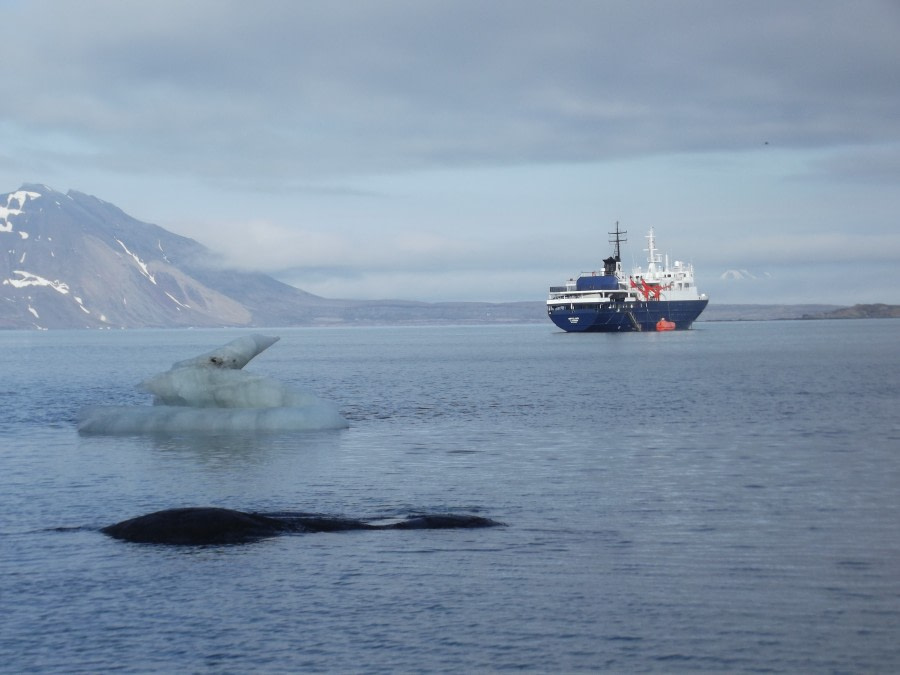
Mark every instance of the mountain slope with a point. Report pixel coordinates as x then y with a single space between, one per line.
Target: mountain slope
75 261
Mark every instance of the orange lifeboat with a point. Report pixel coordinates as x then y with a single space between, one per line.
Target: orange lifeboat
662 324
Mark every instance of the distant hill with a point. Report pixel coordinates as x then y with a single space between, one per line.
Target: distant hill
876 311
775 312
716 312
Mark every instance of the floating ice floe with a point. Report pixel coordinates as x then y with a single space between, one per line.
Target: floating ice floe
211 394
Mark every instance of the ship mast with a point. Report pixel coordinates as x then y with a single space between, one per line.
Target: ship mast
617 238
653 258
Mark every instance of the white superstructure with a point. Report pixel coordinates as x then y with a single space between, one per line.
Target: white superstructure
662 282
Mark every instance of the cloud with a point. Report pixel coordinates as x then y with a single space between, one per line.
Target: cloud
873 165
281 247
288 91
835 248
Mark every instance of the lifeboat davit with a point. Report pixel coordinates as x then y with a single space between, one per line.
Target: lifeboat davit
662 324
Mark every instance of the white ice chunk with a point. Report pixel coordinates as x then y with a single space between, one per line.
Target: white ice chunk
202 387
235 355
112 420
210 394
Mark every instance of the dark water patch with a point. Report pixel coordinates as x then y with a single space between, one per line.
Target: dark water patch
674 657
854 564
70 528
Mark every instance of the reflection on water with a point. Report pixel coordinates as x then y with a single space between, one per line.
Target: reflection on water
233 451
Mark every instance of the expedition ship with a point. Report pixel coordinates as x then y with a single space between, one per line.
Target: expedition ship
660 298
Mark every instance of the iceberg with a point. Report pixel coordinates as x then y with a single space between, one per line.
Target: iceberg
233 356
211 394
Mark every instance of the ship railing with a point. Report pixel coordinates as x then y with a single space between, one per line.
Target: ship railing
580 300
591 293
594 295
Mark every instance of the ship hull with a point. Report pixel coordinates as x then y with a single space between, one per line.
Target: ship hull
626 317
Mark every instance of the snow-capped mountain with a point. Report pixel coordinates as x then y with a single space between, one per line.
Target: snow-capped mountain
75 261
738 275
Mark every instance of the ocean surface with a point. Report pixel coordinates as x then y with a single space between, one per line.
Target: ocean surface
724 499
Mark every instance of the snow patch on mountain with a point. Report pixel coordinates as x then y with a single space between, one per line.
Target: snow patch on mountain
29 279
140 263
179 304
742 274
159 246
15 202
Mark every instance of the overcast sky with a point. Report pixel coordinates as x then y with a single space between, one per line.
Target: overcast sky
478 150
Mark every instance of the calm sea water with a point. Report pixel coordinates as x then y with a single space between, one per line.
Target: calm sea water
723 499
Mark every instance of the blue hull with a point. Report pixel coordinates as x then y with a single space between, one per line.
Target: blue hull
625 317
